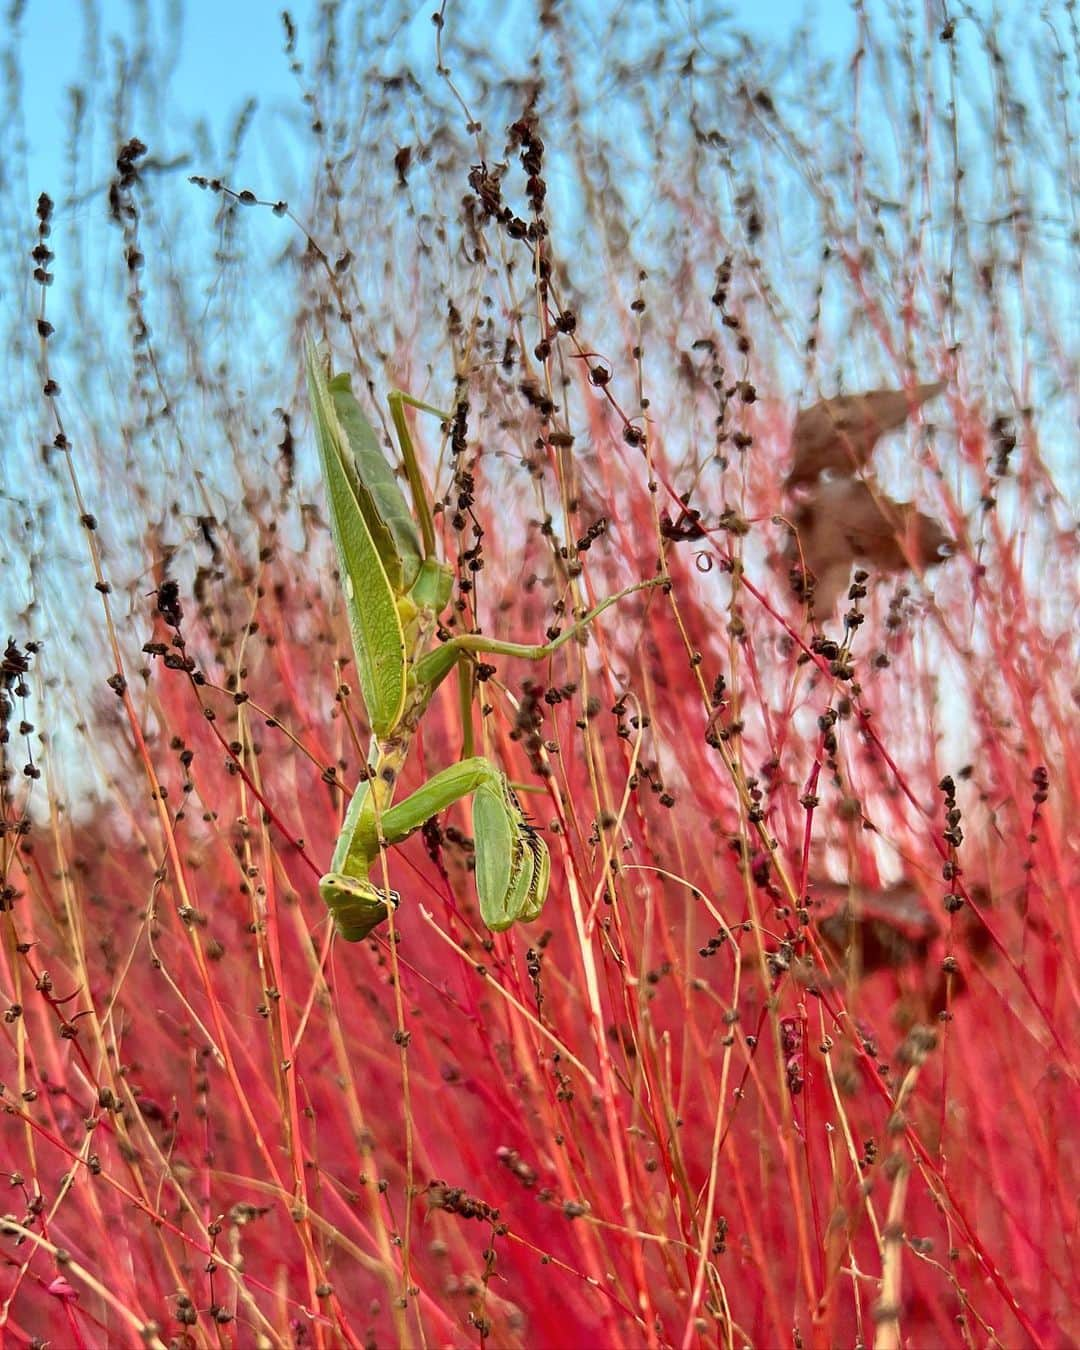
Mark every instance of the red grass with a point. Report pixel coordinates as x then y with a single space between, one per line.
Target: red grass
693 1104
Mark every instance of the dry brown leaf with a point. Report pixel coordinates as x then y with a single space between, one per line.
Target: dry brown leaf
844 521
840 433
891 925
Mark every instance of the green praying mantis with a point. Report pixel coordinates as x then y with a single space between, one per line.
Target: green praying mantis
395 589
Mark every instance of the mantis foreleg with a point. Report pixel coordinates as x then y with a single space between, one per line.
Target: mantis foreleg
512 863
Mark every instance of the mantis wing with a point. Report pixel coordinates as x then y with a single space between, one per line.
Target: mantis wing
381 501
378 639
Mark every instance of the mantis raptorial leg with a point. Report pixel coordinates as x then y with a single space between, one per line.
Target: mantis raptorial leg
395 588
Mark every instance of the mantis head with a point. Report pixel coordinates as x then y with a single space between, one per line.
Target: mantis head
356 905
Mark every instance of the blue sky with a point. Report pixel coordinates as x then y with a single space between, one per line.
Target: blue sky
224 53
227 50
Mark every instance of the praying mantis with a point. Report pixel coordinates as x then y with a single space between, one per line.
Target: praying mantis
395 589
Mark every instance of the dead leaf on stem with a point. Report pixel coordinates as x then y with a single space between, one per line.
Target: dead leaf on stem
893 921
845 520
839 434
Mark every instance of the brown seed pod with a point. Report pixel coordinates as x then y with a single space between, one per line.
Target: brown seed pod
840 433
